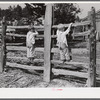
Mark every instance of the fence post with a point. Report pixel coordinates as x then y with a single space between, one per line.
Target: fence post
92 50
3 45
47 43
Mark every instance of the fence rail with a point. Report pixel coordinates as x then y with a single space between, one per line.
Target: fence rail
54 26
42 36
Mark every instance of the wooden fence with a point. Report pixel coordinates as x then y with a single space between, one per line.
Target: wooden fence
48 50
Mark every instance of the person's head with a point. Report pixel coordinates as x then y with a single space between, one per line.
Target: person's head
31 28
61 27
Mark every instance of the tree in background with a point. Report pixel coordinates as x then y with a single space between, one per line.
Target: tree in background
12 12
63 13
66 12
17 12
35 10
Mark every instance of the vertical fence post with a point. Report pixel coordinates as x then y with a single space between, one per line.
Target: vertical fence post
92 44
3 45
53 32
47 42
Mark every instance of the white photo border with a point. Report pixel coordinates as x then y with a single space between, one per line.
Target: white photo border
22 93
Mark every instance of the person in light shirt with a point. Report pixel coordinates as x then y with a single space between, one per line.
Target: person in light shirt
30 42
62 42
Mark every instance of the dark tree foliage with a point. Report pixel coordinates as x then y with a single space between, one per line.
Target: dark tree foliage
12 12
65 13
36 10
17 12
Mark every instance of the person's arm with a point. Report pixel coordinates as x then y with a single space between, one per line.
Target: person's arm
68 30
36 33
57 34
32 38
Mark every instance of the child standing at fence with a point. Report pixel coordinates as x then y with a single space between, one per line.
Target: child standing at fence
30 42
62 42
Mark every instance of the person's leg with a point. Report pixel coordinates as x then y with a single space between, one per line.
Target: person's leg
70 52
66 53
31 53
62 52
28 52
62 56
28 55
69 48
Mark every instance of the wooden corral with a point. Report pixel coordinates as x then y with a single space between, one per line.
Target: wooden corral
90 75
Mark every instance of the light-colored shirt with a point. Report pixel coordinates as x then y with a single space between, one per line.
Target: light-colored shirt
61 36
31 37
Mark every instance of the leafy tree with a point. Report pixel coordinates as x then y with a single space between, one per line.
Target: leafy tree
65 12
17 12
12 12
36 10
26 12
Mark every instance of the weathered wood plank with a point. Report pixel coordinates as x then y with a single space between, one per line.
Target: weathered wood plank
41 49
54 26
53 36
69 67
15 65
21 35
14 44
3 45
58 63
25 58
23 27
55 71
85 65
92 43
81 33
73 62
47 43
71 73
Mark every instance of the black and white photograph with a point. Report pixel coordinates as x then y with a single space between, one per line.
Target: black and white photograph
49 45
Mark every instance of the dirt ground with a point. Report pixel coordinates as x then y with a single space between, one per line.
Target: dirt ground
19 78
